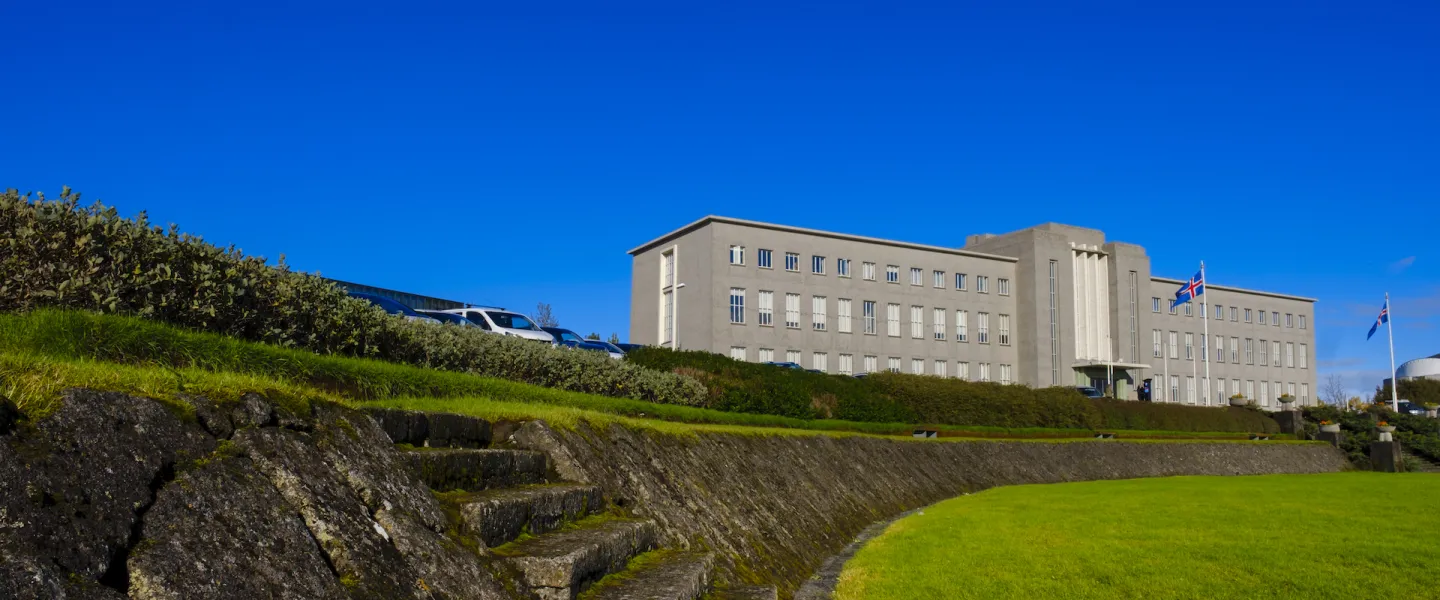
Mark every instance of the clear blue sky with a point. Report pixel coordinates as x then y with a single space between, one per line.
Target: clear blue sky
511 154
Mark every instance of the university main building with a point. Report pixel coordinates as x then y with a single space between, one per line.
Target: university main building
1049 305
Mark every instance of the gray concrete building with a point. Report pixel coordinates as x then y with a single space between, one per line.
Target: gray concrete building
1049 305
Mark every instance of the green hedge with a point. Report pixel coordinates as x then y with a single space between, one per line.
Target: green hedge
59 254
891 397
1420 435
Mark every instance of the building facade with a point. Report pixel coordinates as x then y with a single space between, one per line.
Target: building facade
1048 305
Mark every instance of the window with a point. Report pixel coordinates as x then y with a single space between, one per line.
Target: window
892 320
916 275
847 364
1172 307
1264 353
1204 350
1219 312
1189 390
917 366
892 364
668 259
820 362
982 284
817 313
983 327
1289 320
939 279
792 262
1174 338
941 368
1278 391
939 325
1174 388
737 352
669 318
1235 350
1220 348
867 271
1220 391
765 309
1004 327
737 255
1189 345
817 265
1235 386
1004 290
1247 315
962 318
1189 309
1250 388
1261 316
842 267
1304 356
1005 374
984 371
762 258
892 274
960 281
766 355
872 363
792 356
867 313
1302 326
1264 392
962 370
737 305
1234 313
1290 389
1275 318
1155 305
842 315
1304 393
1290 354
917 324
792 311
1275 354
1155 342
1249 351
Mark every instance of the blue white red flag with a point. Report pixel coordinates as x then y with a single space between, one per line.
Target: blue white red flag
1381 320
1190 290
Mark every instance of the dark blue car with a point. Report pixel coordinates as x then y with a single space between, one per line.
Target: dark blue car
392 307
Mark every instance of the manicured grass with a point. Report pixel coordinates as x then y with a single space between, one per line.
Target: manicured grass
1340 535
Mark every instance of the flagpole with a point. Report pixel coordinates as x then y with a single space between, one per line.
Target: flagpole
1390 328
1205 308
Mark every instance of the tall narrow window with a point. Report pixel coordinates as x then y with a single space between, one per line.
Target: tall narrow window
917 323
1189 309
1289 320
1302 326
737 255
1261 317
820 362
1249 351
1189 346
938 327
892 320
1250 389
1004 330
1055 326
818 313
1275 353
867 313
1003 288
669 319
1189 389
1304 392
1290 354
842 267
842 315
737 305
962 318
1248 313
792 311
962 370
765 305
982 284
941 368
1220 348
1005 374
916 275
792 261
1175 388
1174 339
984 371
737 352
1235 350
892 274
1264 389
917 366
1219 312
1155 307
872 363
1155 342
1264 353
669 269
847 364
1205 351
982 328
1304 356
762 258
960 281
867 271
1275 318
766 355
939 279
892 364
817 265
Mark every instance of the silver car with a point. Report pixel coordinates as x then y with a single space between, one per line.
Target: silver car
504 322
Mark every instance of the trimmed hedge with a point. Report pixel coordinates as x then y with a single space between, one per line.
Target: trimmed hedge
1419 435
892 397
58 254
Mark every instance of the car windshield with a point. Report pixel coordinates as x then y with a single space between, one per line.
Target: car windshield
565 335
608 346
510 320
390 306
447 318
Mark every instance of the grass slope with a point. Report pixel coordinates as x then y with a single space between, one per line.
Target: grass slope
1342 535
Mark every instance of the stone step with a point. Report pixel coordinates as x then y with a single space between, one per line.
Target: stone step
1425 465
559 565
745 592
659 575
433 430
499 516
472 470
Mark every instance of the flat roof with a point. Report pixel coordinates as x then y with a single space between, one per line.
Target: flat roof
815 232
1226 288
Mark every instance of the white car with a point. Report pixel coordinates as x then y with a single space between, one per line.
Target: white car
502 321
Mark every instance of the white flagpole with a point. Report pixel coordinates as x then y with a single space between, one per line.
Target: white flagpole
1390 328
1205 308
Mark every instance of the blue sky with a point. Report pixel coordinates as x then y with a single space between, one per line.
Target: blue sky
506 155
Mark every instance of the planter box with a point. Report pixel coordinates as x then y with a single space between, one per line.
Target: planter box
1330 428
1386 429
1238 402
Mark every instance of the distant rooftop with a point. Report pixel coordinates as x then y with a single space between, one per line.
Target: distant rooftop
815 232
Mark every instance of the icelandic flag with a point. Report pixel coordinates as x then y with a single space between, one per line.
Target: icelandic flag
1383 319
1190 290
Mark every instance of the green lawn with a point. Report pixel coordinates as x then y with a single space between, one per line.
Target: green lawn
1341 535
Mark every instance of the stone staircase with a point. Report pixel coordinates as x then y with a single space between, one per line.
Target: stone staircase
1425 465
553 540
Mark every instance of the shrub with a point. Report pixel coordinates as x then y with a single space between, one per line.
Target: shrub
58 254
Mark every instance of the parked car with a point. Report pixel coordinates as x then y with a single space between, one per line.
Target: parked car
393 307
449 318
1090 392
568 338
504 322
1410 408
783 365
627 348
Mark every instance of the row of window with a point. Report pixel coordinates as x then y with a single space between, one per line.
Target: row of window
818 264
844 319
1269 351
845 365
1251 315
1220 398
